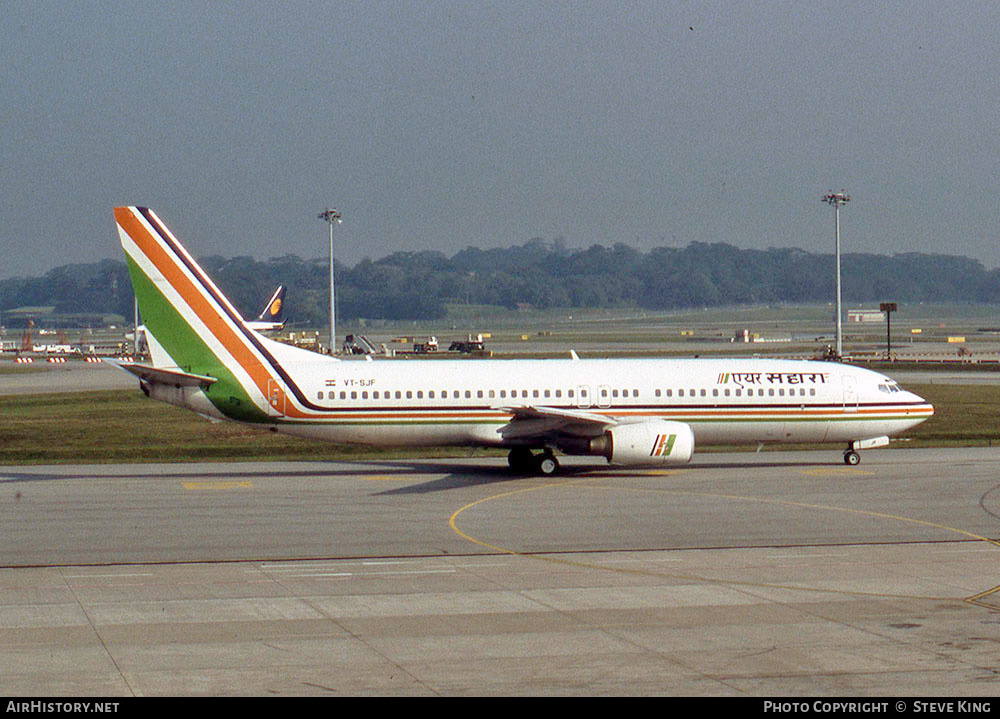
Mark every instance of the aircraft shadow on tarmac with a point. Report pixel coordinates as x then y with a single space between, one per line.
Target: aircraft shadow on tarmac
457 473
467 475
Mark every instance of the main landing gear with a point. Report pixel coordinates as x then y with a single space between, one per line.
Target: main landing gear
524 461
851 457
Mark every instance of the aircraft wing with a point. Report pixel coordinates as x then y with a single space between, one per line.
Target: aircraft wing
175 378
539 422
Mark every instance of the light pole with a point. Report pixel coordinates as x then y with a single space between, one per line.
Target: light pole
332 216
837 199
888 308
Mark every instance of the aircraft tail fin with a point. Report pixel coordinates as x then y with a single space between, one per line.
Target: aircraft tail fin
190 325
272 317
274 310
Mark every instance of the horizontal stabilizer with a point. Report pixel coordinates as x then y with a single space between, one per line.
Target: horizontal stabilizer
174 378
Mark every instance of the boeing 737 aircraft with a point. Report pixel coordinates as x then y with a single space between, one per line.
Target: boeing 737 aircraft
629 411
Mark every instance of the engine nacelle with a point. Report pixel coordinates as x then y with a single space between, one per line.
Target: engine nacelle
656 442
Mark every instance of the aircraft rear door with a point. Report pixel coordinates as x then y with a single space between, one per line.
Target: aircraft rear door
275 398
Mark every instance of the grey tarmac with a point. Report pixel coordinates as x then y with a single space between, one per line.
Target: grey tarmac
742 574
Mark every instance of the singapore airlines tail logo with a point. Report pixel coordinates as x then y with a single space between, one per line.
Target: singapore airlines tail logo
663 445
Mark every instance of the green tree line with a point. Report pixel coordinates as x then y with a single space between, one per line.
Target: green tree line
539 273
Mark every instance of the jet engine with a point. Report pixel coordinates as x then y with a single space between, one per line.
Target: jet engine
656 442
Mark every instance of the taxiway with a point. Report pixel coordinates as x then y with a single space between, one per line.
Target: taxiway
740 574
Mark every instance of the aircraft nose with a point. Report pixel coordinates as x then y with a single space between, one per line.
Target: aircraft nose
923 405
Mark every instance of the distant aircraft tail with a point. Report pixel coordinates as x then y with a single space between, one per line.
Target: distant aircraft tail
191 327
272 317
275 309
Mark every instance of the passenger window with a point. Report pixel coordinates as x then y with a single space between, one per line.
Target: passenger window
503 394
409 394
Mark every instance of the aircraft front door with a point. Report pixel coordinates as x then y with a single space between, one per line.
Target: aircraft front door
850 394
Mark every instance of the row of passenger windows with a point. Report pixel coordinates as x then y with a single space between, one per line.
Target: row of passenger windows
739 392
604 393
456 394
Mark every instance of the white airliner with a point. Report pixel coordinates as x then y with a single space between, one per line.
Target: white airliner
648 412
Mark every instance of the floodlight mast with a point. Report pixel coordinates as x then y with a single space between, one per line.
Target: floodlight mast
332 216
837 199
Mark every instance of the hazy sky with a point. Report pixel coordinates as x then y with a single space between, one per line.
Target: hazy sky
439 125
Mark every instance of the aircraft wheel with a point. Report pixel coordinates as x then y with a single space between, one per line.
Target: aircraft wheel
851 457
548 464
521 459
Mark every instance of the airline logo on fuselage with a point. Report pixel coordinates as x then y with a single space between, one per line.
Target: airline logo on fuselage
782 378
663 445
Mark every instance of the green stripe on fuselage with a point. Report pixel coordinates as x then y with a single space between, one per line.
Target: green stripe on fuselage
189 351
